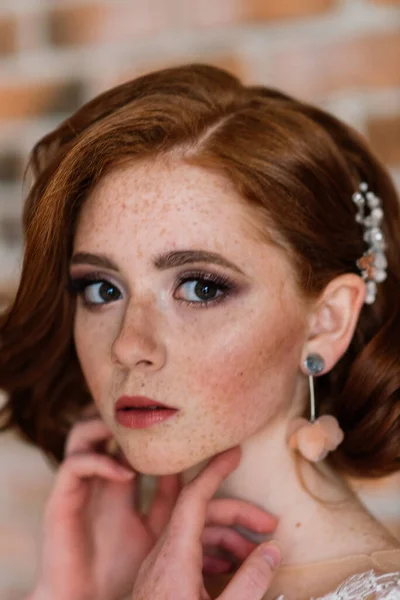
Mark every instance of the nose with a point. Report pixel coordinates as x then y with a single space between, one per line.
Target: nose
138 343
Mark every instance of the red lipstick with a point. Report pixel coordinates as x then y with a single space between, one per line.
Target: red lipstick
138 412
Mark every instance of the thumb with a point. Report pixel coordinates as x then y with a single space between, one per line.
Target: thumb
254 577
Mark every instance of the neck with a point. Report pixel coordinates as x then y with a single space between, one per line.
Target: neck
309 529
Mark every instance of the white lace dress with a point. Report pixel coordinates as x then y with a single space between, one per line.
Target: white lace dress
360 577
365 586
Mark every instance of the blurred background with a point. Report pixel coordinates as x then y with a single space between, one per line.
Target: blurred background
343 55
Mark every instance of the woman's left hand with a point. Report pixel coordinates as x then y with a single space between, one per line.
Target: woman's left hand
173 568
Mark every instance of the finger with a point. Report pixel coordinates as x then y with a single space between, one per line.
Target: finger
227 511
213 565
189 515
228 539
254 577
70 489
168 489
85 436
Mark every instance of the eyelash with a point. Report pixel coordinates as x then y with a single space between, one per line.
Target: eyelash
77 286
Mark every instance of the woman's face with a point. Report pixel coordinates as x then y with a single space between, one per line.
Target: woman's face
225 352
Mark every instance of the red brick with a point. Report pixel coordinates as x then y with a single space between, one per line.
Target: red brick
75 24
113 22
312 70
8 35
384 135
26 100
259 10
209 13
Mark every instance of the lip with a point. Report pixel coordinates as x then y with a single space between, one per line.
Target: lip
141 419
139 401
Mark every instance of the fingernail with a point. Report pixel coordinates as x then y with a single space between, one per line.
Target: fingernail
272 553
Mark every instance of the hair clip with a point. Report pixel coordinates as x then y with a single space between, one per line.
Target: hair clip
373 262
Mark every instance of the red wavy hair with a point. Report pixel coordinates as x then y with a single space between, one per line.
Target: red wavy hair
296 163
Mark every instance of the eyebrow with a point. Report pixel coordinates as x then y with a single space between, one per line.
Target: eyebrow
161 262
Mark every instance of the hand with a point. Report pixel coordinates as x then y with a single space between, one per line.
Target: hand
95 539
173 569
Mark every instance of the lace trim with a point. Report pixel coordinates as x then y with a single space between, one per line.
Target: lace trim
365 586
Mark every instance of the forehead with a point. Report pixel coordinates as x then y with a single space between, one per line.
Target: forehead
155 196
142 210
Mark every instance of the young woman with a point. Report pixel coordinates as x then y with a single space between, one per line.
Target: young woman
212 265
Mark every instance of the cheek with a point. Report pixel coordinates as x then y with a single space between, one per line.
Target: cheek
240 382
247 378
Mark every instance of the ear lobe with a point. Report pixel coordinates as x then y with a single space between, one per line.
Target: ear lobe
335 317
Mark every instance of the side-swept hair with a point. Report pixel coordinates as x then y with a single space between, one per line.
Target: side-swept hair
296 163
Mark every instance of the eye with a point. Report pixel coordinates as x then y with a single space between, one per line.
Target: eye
200 289
94 292
203 289
101 292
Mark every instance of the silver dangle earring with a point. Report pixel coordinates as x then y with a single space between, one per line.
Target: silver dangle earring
314 438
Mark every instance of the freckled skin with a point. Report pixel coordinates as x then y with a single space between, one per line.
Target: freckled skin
231 367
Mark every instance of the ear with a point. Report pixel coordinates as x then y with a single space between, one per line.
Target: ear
333 319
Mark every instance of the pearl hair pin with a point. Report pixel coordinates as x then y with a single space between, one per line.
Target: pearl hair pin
373 262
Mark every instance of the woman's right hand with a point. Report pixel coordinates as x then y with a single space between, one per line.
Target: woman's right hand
95 540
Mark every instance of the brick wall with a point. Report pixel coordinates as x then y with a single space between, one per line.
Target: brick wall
343 55
54 55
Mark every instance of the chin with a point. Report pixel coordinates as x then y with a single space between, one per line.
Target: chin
150 462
